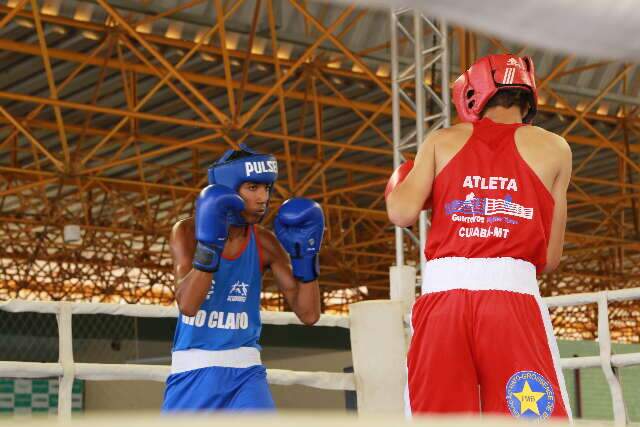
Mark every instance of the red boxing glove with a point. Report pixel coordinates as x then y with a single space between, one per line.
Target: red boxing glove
398 176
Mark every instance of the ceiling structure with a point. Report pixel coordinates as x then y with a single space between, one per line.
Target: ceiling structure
110 113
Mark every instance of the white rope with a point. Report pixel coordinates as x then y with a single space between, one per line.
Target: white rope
289 318
115 372
30 370
583 299
155 311
131 310
110 372
592 297
580 362
623 360
21 306
321 380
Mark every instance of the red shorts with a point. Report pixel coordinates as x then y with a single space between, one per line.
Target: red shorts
482 341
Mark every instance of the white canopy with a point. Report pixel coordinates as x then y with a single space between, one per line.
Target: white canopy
595 28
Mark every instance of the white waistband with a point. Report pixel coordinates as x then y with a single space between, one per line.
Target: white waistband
195 358
480 274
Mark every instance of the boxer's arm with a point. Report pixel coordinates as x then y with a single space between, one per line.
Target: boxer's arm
191 285
303 298
559 193
406 200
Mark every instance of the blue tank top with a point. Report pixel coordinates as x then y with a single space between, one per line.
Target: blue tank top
229 317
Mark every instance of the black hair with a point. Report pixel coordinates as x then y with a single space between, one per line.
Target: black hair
508 98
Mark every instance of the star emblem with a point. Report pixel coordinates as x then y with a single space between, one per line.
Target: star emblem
528 399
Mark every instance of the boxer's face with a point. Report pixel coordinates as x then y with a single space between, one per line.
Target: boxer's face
256 197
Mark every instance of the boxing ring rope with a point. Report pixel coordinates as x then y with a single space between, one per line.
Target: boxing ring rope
67 369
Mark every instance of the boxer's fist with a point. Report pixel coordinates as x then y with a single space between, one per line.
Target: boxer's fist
398 176
299 226
213 208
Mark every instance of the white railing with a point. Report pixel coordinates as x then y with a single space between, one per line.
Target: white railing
606 361
68 370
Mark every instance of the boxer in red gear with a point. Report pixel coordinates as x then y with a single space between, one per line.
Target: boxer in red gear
482 338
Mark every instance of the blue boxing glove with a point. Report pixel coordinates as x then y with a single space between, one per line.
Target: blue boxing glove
299 226
213 208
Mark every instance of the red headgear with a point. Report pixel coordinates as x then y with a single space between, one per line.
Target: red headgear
486 77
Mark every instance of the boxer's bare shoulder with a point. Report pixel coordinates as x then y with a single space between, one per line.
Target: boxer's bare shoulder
183 225
183 233
542 138
449 141
182 244
545 152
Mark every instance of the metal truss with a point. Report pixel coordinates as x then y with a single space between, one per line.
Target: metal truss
109 117
423 84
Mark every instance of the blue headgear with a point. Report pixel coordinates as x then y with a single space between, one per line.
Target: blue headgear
232 173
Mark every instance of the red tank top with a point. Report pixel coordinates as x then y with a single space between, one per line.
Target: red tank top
488 202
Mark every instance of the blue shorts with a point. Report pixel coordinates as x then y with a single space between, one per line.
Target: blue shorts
215 388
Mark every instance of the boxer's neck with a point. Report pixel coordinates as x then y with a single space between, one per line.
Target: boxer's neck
236 232
504 115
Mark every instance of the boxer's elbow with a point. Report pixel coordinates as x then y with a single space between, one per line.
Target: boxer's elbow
310 319
554 256
401 217
552 264
189 310
309 316
401 221
191 291
401 212
186 305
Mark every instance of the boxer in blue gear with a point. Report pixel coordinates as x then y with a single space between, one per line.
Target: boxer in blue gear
219 257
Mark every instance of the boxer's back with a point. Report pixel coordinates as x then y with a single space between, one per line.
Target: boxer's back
492 192
539 148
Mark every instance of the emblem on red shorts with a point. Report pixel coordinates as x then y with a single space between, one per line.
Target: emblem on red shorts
530 395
